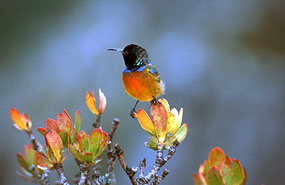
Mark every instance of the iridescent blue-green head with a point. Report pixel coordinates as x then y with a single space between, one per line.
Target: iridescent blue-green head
134 56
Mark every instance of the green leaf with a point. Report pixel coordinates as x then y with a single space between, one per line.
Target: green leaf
179 135
96 137
152 142
103 144
83 140
64 137
214 177
226 173
216 156
207 167
77 125
30 153
75 152
238 173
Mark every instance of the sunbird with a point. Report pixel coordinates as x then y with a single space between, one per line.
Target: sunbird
140 78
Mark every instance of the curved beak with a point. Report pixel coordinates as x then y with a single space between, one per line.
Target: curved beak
115 49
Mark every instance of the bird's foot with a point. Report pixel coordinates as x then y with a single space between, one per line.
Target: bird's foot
132 113
133 110
154 102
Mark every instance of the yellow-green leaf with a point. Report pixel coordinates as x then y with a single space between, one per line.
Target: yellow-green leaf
239 175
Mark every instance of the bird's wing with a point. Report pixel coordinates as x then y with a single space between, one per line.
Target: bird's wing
152 69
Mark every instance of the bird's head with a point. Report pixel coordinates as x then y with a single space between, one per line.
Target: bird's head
134 56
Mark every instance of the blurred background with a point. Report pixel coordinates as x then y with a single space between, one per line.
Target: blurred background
222 61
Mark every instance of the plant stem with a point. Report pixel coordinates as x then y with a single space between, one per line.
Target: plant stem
60 172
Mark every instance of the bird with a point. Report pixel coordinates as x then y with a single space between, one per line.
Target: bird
140 77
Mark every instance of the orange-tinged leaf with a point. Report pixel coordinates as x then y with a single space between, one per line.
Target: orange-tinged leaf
88 157
55 144
159 119
216 156
145 121
228 161
198 179
18 120
25 118
51 124
64 123
43 131
214 177
91 103
103 102
43 162
66 113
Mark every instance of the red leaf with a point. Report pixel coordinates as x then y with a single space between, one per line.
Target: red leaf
51 125
64 123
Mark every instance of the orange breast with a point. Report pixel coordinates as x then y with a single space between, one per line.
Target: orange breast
141 85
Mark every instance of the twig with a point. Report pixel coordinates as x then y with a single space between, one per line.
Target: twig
77 177
142 166
158 179
160 161
96 176
115 124
84 171
111 154
129 171
96 124
36 145
45 177
60 172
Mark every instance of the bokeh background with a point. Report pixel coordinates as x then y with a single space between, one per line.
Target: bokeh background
222 61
